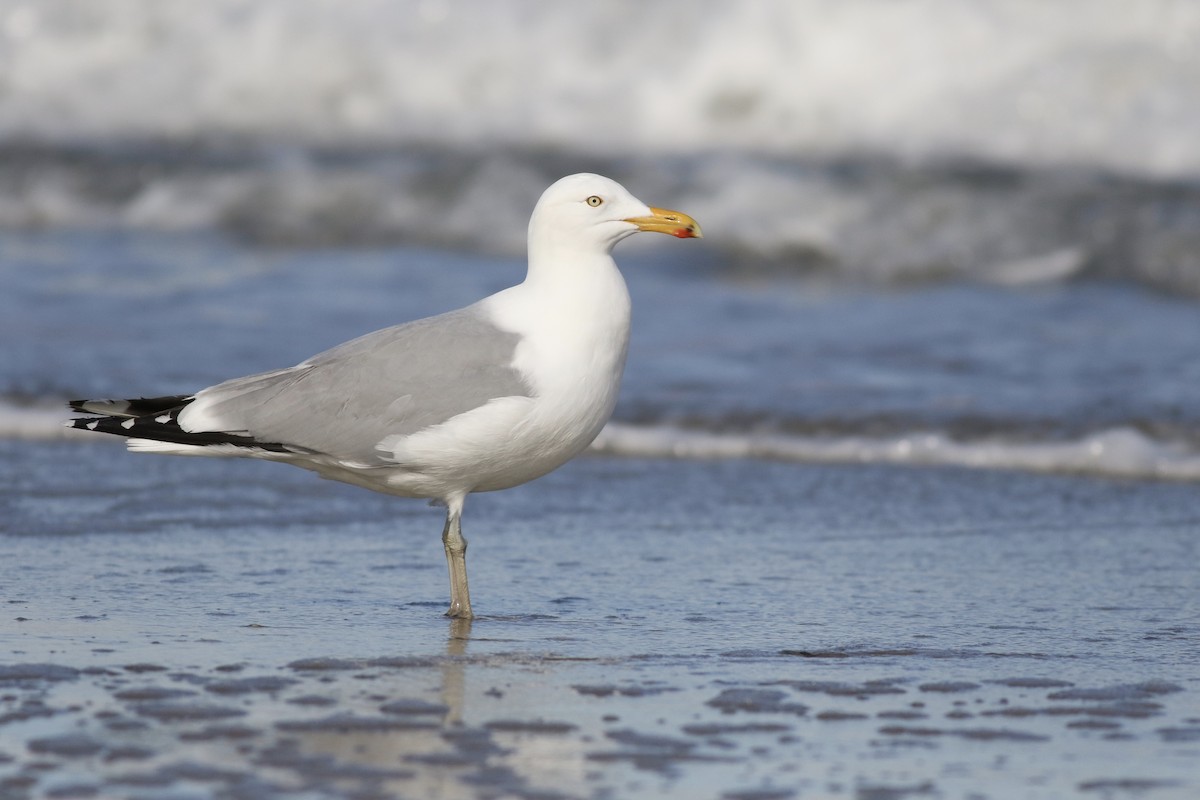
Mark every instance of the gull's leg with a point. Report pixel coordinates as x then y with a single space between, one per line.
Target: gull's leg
456 561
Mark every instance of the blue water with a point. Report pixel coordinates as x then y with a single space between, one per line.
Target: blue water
976 633
108 314
869 525
866 612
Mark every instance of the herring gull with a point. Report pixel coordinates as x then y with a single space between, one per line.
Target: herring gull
486 397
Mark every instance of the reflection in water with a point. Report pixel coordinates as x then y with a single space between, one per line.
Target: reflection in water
454 670
391 736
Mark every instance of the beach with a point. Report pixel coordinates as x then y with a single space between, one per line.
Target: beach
899 496
646 629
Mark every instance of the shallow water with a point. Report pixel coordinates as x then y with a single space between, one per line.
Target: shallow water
743 597
648 629
1082 377
715 625
704 624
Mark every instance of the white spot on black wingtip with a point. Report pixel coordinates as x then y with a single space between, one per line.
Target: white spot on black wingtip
127 424
91 426
163 419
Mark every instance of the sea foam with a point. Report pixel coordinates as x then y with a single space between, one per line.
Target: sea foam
987 80
1116 452
1119 452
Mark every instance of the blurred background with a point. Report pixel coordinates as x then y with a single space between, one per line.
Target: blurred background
933 228
959 235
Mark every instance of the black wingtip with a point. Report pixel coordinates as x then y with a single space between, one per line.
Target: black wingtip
162 426
132 407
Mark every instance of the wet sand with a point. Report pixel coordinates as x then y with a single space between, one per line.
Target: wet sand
732 629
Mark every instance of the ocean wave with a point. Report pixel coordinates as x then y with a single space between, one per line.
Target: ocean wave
1091 83
38 422
861 221
1115 452
856 142
1119 452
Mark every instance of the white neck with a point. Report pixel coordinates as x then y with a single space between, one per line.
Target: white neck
564 252
574 310
578 293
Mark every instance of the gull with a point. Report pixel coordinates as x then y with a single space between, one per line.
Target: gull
482 398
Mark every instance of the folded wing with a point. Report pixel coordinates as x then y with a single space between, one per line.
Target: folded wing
341 403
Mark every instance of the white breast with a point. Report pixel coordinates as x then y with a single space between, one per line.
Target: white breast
574 336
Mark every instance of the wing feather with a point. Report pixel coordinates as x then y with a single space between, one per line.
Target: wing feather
393 382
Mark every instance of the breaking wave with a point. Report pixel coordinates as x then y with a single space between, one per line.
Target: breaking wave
1115 453
1121 452
854 141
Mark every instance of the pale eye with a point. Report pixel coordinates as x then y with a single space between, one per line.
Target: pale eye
595 201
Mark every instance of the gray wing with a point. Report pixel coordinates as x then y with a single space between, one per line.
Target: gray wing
396 381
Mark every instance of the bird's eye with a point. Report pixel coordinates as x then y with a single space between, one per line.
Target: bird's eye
595 201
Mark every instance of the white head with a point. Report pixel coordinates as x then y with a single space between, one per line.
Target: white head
588 213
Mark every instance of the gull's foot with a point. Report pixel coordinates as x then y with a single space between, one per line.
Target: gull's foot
459 612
